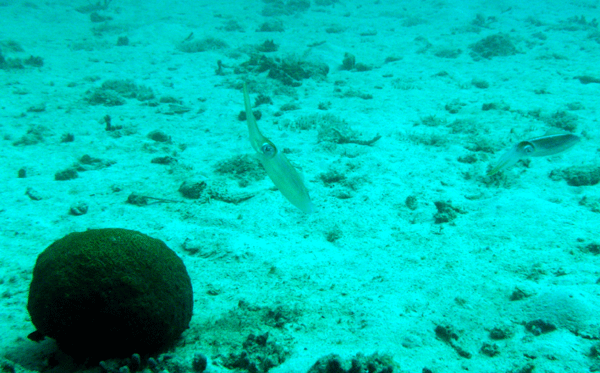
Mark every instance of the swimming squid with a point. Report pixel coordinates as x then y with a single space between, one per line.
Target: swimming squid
280 170
542 146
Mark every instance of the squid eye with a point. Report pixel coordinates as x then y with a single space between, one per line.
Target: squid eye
528 149
525 148
268 150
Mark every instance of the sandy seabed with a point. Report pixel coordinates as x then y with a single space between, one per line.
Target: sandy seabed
409 235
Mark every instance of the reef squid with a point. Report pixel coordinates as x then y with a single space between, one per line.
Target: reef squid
280 170
549 144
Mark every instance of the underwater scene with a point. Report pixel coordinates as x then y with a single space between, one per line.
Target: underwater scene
300 186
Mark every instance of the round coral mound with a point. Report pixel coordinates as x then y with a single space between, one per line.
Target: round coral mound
110 293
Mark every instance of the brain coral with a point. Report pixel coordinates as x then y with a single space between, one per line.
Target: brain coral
110 292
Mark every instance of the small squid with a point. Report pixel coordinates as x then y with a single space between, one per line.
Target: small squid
282 173
542 146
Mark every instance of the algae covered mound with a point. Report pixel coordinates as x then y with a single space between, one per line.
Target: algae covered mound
110 292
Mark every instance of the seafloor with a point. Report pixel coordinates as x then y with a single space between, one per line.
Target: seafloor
108 108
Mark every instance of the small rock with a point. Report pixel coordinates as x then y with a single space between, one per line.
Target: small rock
490 349
136 199
122 41
192 189
37 108
159 136
166 160
199 363
539 326
33 194
81 208
68 174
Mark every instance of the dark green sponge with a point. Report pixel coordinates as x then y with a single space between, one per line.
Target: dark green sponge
110 293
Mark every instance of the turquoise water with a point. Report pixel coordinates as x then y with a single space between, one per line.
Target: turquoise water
128 114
